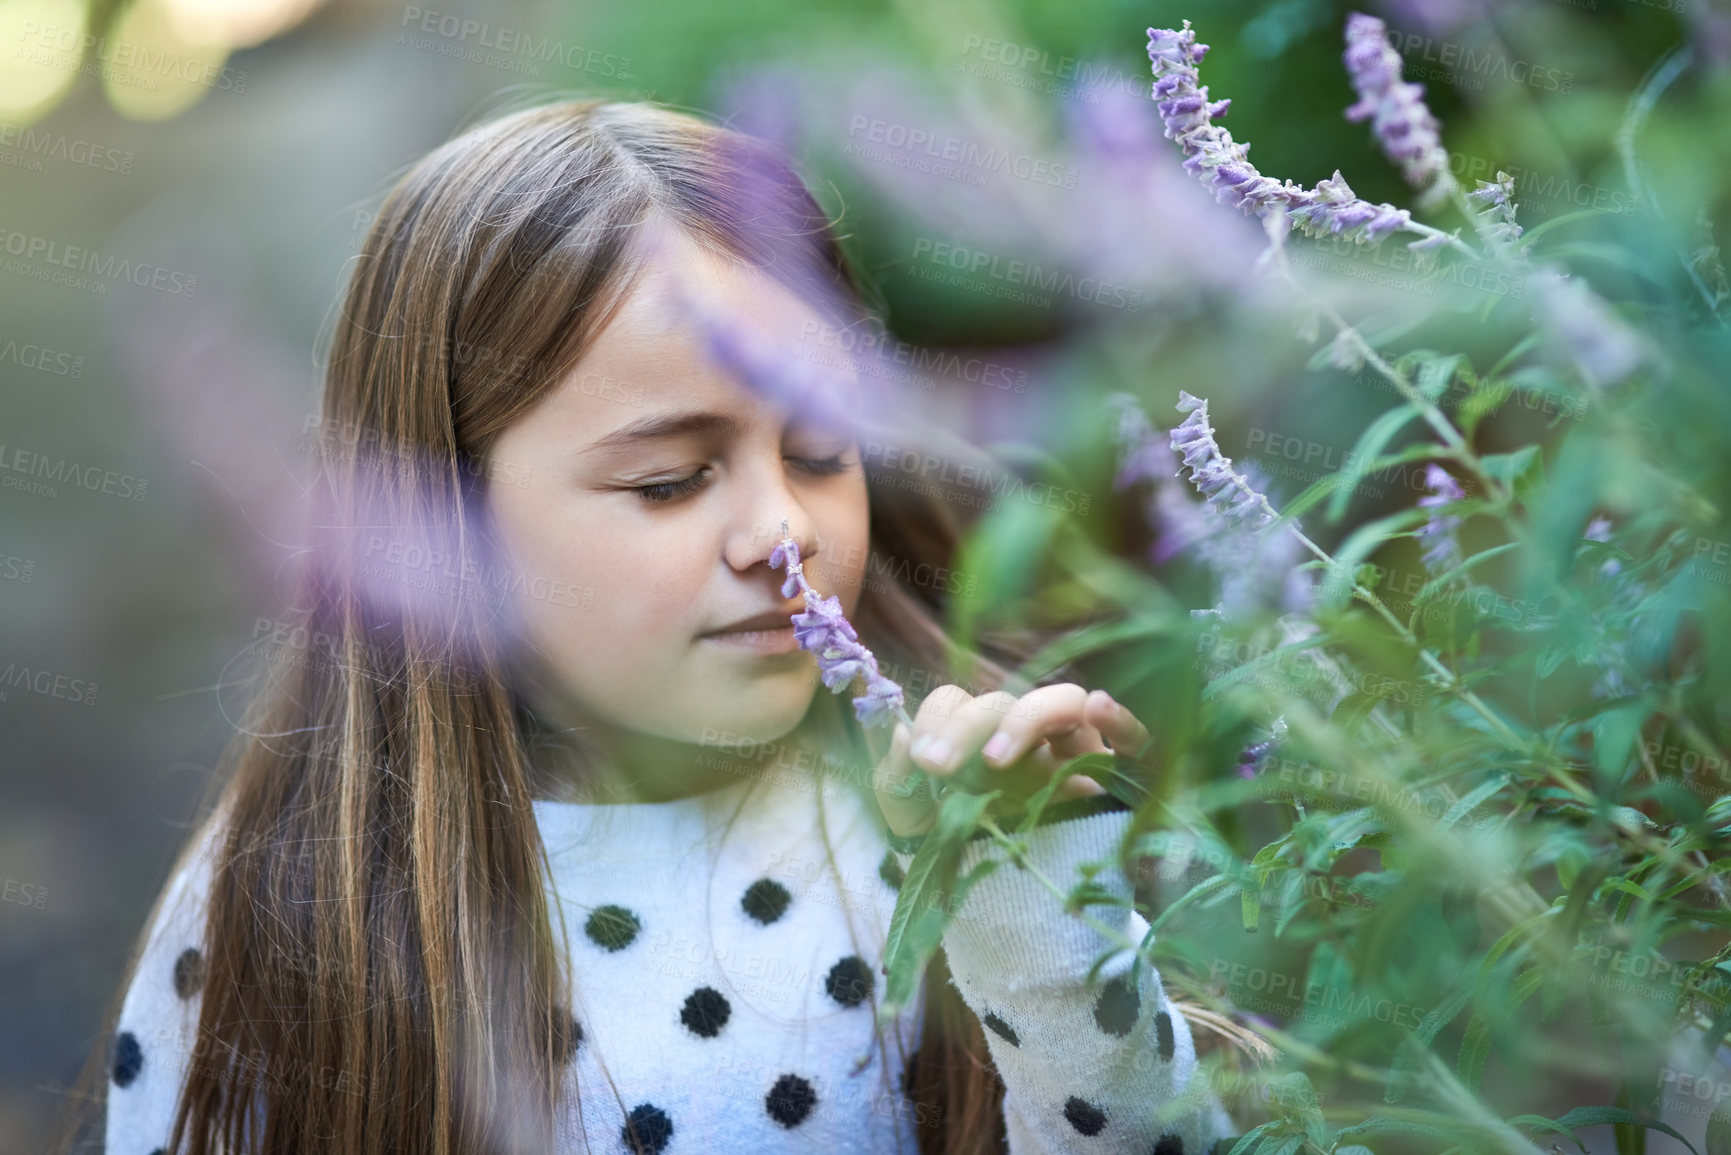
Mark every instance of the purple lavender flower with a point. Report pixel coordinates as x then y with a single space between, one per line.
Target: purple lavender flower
811 387
1498 197
1433 17
1146 456
824 631
1254 755
1582 329
1396 109
1212 156
1255 567
1442 552
1599 529
1211 471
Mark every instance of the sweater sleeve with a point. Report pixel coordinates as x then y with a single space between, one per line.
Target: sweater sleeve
1095 1066
152 1047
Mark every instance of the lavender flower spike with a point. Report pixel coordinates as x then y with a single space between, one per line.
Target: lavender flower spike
1396 109
1498 197
1211 155
1211 471
824 631
1442 552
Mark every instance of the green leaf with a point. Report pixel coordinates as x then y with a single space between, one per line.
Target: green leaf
1408 1059
1472 801
1433 1126
1353 709
1252 1138
928 895
1540 230
1120 775
1370 443
1595 1116
1201 890
1507 467
1437 584
1470 1064
1475 1045
1337 584
1312 494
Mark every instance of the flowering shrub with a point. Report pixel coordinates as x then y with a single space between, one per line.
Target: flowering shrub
1440 799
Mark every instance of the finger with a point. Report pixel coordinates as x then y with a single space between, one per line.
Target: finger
899 790
1043 714
1077 786
1117 725
947 734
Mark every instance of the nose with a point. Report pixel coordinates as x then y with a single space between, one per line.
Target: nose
772 517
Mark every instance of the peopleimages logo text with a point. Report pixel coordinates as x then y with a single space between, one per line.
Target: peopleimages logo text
1026 273
49 251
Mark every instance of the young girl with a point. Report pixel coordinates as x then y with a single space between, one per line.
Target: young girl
544 835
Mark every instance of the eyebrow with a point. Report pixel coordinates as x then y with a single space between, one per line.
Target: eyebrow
660 425
684 423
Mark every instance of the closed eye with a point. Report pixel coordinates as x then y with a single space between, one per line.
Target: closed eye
662 491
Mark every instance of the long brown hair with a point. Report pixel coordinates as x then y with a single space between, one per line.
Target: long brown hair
377 903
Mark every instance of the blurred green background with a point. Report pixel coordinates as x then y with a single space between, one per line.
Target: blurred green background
245 145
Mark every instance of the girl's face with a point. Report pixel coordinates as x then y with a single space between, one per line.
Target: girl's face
649 490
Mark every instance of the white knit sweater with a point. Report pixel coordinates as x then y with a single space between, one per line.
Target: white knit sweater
728 986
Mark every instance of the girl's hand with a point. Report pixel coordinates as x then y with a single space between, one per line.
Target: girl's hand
1022 741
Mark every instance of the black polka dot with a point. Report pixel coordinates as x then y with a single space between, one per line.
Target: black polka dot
611 927
1163 1025
1002 1029
705 1012
188 973
891 871
790 1100
1084 1116
1117 1007
128 1058
849 981
160 1151
647 1129
766 900
1169 1145
576 1038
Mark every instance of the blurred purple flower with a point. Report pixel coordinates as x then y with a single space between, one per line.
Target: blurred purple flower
1435 17
809 386
1144 455
1583 330
1599 529
823 630
1183 243
762 100
1212 156
1396 109
1251 760
1442 552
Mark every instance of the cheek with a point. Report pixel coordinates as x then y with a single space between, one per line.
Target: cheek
844 561
638 594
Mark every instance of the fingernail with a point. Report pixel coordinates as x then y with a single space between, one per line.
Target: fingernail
997 747
934 751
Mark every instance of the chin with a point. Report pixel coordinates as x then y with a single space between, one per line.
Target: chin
759 713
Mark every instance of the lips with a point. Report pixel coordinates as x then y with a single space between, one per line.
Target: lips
773 620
